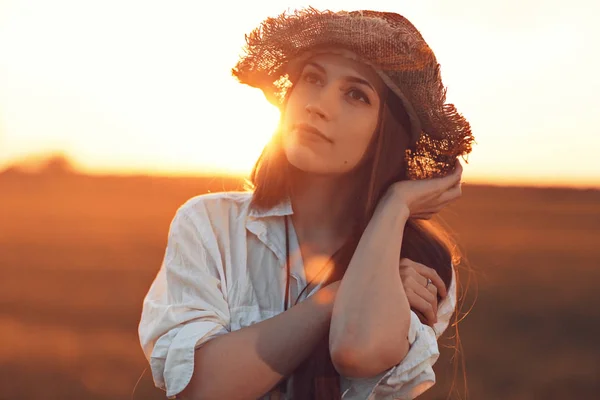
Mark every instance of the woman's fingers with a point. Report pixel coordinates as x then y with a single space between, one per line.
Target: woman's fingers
445 183
421 305
442 191
421 316
433 289
429 297
432 188
423 198
427 272
430 286
440 203
435 279
450 195
422 296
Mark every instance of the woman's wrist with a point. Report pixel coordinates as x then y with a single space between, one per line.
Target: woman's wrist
393 211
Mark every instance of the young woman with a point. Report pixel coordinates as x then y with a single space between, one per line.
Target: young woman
323 281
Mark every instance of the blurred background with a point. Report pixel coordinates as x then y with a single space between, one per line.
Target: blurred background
113 113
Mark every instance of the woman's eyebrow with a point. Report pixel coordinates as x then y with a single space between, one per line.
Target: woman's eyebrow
353 79
361 81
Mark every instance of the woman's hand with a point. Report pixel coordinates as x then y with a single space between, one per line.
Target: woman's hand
422 294
423 198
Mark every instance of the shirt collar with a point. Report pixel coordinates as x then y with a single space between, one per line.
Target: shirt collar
280 210
268 228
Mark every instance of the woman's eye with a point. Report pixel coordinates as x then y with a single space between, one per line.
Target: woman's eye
311 78
359 95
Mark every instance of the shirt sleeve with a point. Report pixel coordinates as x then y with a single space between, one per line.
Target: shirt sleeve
185 306
414 375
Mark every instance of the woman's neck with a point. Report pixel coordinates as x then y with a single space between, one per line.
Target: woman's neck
321 207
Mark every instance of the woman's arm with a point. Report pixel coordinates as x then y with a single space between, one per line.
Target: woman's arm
246 364
371 314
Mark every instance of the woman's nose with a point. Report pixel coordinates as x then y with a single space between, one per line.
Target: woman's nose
323 104
314 108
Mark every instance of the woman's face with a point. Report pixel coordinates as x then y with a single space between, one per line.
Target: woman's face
331 114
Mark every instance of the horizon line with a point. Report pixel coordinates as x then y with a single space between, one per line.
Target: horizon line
71 169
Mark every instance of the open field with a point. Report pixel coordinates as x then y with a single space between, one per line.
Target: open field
78 253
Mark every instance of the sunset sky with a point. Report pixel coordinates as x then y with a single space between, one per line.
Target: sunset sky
124 86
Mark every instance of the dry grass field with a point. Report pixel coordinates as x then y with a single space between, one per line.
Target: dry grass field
78 253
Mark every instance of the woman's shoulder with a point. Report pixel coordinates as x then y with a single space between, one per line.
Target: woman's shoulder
217 206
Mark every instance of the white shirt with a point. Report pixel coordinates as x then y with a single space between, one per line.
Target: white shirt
224 269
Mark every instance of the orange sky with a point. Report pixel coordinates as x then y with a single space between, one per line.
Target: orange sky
144 86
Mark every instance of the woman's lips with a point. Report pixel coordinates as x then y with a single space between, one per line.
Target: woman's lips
311 133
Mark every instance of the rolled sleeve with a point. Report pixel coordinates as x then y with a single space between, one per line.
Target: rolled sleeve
414 375
172 360
185 307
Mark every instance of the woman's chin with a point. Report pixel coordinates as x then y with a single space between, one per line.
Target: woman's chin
306 161
309 168
314 167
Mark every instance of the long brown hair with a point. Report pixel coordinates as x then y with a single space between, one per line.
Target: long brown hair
383 164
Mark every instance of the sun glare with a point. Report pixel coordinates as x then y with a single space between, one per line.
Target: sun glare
146 87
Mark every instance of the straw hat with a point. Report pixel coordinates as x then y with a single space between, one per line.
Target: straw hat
387 42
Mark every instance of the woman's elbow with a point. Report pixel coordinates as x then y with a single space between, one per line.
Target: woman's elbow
349 364
367 361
